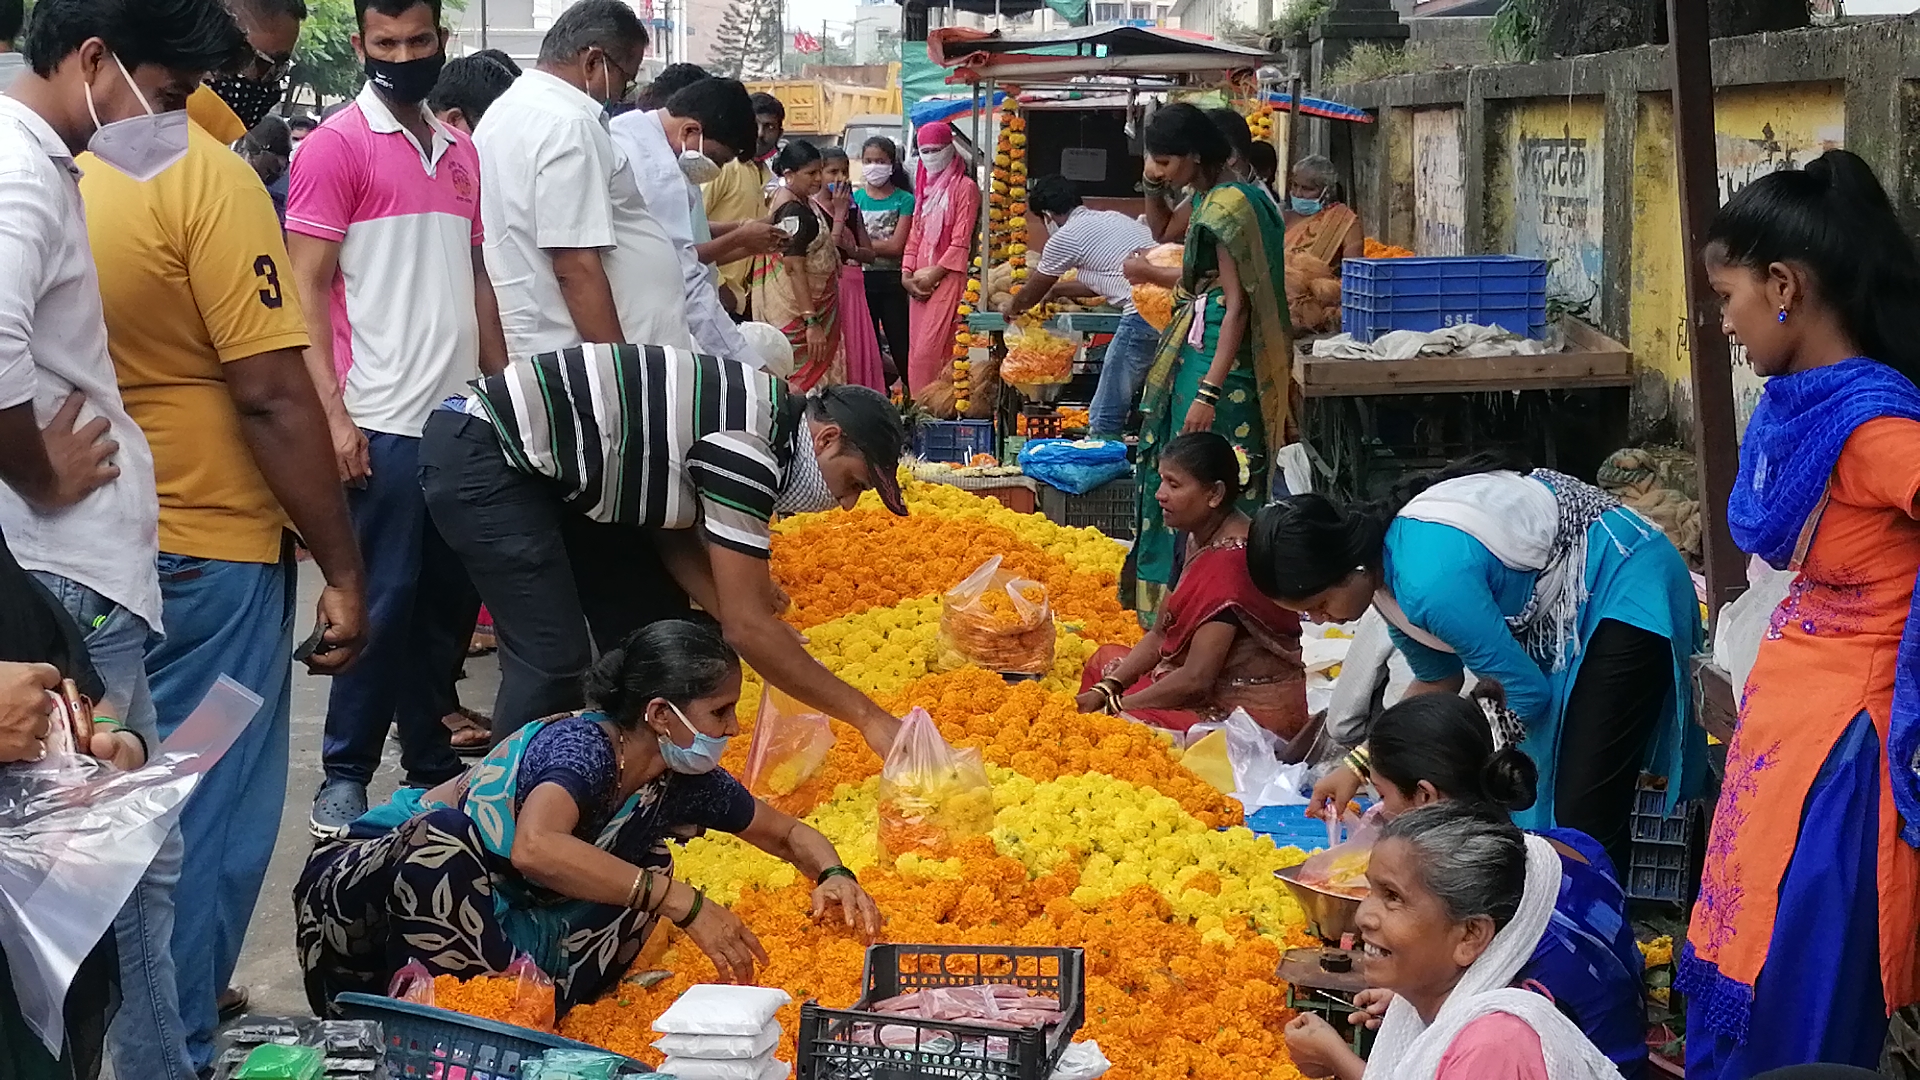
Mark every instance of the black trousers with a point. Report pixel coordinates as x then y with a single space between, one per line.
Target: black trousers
887 300
1613 712
556 583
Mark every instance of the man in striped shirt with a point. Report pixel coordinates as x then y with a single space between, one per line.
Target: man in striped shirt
1093 243
687 455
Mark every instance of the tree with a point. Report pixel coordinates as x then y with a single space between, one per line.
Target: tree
749 41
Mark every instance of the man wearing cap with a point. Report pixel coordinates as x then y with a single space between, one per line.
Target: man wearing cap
699 452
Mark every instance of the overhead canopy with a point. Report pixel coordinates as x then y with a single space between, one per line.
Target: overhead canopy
1103 50
1311 106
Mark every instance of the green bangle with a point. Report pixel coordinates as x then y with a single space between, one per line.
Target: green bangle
834 872
699 901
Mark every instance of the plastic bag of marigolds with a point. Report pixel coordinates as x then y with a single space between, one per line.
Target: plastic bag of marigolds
932 796
790 742
998 621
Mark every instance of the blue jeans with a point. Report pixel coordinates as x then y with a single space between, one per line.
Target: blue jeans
235 619
420 613
1122 374
146 1037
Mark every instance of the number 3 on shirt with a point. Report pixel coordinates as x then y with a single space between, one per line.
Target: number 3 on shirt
269 274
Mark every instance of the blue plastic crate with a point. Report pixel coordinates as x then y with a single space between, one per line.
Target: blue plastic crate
1661 862
952 441
1434 292
426 1042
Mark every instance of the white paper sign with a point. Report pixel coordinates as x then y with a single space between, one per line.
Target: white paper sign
1079 163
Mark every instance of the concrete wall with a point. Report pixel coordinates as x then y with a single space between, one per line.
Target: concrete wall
1572 160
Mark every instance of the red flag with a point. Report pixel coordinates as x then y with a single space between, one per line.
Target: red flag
805 42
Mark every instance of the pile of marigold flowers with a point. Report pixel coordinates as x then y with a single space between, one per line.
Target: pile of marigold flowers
1099 838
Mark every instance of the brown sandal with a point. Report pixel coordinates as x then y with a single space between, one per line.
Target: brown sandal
472 732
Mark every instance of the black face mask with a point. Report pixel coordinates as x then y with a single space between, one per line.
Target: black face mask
408 82
249 99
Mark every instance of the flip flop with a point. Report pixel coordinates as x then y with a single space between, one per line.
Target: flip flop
472 732
233 1002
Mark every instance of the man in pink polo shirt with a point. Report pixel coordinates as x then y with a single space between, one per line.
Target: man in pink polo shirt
383 230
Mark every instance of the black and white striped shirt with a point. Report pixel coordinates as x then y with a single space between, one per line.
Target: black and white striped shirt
649 435
1096 242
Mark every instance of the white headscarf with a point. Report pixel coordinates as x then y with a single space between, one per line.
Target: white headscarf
1408 1049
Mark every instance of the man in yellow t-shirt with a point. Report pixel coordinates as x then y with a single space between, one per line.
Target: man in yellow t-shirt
739 193
206 336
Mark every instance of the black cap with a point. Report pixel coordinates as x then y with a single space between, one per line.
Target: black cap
872 423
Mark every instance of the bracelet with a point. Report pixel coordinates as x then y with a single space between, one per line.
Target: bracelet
1360 760
1109 685
834 872
633 893
810 318
647 896
1112 696
699 901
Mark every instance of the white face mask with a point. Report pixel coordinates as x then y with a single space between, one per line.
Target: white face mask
696 166
936 160
142 147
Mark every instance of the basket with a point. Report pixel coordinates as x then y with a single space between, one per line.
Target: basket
945 1049
1111 507
1661 863
1435 292
423 1041
952 441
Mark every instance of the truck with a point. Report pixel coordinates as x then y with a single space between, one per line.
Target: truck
819 110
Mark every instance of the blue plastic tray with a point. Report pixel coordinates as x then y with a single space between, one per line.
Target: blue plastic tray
432 1044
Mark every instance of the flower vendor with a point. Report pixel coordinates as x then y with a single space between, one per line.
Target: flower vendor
1322 232
555 845
1219 644
1438 747
593 490
933 268
1583 610
1458 901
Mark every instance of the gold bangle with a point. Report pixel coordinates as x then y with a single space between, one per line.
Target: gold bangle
633 894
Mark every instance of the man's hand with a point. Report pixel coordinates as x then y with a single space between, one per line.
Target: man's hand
119 748
758 237
343 611
26 709
82 457
1006 309
349 449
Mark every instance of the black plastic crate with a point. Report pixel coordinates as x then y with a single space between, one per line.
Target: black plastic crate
1661 862
944 1049
1111 507
952 441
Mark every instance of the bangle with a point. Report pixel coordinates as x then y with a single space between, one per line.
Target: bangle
699 901
1361 762
835 871
633 893
647 896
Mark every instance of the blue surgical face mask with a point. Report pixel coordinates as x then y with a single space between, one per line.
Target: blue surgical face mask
1306 207
702 757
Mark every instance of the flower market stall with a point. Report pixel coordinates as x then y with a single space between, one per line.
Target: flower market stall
1099 838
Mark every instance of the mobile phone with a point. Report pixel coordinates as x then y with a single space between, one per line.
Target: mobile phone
315 645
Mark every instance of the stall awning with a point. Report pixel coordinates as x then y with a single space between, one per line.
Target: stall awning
1311 106
1104 50
931 109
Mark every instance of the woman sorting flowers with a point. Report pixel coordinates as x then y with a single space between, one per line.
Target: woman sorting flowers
555 845
1457 904
1224 360
1802 941
1445 748
1218 644
1580 608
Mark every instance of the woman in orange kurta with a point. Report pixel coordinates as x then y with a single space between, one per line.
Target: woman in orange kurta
1803 936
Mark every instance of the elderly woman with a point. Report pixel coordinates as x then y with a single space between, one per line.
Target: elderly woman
556 844
1219 644
1441 747
1321 232
1458 901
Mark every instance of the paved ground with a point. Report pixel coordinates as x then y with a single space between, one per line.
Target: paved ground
267 966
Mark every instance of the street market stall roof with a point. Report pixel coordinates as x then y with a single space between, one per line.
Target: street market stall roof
1321 107
1125 51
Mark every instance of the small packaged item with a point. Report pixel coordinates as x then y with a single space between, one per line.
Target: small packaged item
574 1065
720 1009
931 795
725 1047
347 1038
764 1067
790 743
275 1062
413 983
997 620
533 1005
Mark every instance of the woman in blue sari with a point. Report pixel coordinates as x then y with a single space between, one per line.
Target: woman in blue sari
556 844
1439 747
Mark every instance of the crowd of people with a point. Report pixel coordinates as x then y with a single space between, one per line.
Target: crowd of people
550 344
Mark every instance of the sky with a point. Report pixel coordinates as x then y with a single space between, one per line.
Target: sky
839 12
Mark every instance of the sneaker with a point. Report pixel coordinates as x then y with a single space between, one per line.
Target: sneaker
338 804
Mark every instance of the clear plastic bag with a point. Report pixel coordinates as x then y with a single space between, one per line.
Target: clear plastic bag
997 621
1037 356
1342 867
790 743
1155 302
75 837
533 1005
931 795
413 983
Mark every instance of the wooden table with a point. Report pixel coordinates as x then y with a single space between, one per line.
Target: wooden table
1592 360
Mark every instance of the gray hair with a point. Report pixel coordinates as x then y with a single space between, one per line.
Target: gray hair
1315 170
607 24
1474 862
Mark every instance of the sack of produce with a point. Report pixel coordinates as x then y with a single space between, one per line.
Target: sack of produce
790 741
1037 356
1155 302
998 621
931 795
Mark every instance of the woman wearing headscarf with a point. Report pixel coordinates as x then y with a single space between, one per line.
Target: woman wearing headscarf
1224 363
1802 941
1457 903
933 268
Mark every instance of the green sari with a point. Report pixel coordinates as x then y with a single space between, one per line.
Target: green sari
1255 402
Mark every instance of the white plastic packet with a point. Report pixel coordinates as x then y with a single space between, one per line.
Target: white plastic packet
75 837
1081 1061
1742 625
722 1047
720 1009
764 1067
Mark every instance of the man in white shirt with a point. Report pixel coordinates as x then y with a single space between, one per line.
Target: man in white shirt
674 148
575 252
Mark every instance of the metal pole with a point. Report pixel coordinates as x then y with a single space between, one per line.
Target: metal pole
483 23
1285 179
986 190
1714 443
